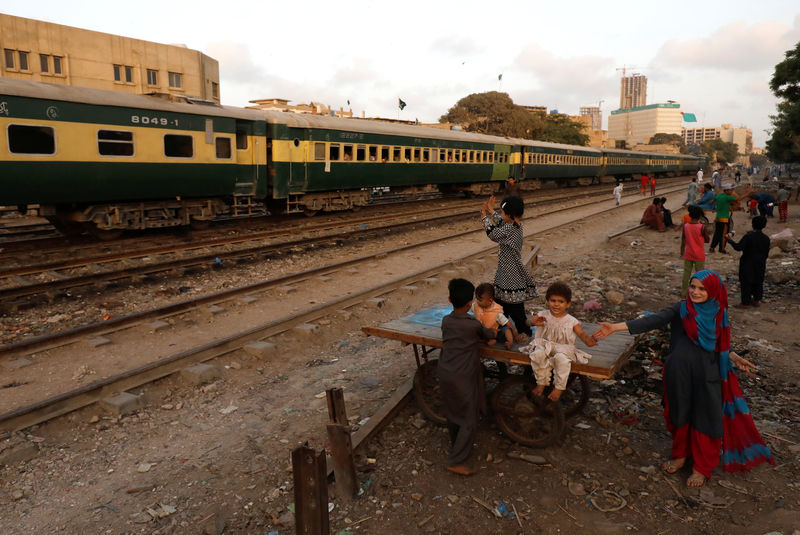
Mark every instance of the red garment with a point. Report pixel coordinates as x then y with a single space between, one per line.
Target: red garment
643 186
694 243
653 186
488 316
691 444
653 217
783 210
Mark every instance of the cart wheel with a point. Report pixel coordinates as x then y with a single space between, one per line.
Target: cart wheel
576 395
528 419
427 392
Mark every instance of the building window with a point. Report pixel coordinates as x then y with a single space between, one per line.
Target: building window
215 89
44 63
9 55
117 73
177 146
175 80
128 74
115 143
56 64
24 139
23 61
223 148
152 77
126 70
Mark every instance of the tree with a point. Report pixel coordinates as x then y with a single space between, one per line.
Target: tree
784 144
669 139
758 160
496 114
721 151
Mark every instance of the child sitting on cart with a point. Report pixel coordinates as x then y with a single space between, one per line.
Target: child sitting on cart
553 346
460 374
490 314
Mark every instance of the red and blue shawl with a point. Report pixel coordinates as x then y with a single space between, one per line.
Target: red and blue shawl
707 325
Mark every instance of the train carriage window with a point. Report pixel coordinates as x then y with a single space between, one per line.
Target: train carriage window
464 156
241 140
449 155
373 153
407 155
223 146
471 156
334 157
347 153
361 153
28 139
178 146
490 155
319 151
396 154
457 156
115 143
384 154
416 155
442 155
426 155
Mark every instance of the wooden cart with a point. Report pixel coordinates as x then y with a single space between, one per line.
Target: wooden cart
526 418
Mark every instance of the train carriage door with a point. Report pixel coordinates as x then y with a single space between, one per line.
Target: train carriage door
298 159
247 175
523 168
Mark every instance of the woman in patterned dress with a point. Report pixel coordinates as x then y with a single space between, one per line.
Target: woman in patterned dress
513 284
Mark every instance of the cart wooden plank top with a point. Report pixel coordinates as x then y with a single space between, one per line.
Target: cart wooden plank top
424 328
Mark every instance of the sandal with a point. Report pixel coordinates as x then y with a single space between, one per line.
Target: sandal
673 465
696 480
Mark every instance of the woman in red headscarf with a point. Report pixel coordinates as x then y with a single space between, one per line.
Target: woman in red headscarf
703 404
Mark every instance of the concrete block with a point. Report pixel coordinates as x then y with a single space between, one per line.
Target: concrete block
372 265
247 299
431 281
157 325
461 269
345 315
122 403
261 349
17 363
24 451
450 273
200 373
99 341
323 278
305 329
214 310
352 271
375 302
410 289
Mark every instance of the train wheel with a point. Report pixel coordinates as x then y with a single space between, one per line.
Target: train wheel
576 395
427 392
103 234
310 213
67 228
526 418
200 224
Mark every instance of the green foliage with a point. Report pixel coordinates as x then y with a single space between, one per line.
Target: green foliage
669 139
720 151
784 145
496 114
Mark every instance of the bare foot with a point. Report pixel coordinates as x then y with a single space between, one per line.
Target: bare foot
491 342
555 395
509 343
461 469
673 465
539 390
696 479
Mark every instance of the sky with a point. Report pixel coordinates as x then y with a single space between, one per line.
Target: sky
713 57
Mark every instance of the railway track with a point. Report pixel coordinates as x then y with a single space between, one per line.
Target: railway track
28 285
64 402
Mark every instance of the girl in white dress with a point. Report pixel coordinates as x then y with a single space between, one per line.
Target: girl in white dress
553 347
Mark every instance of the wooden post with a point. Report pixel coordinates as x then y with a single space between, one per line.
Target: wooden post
344 466
310 492
336 409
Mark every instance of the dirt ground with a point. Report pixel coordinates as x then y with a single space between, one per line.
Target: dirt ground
216 458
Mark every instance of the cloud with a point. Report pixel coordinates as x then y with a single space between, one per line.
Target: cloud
736 46
460 47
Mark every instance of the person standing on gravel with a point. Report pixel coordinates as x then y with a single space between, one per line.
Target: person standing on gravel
691 192
513 285
704 407
618 192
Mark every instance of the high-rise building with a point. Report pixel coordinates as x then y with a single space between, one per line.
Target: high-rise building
633 91
637 125
46 52
594 113
742 137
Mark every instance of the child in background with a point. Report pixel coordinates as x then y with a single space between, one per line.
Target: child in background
618 192
752 204
693 249
460 374
490 314
753 263
553 346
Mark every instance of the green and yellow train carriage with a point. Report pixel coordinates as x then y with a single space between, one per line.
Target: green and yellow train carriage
111 160
545 161
329 163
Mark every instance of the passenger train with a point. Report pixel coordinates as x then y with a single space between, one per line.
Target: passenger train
110 161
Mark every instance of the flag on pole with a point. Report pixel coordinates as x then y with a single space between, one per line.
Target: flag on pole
689 117
499 76
348 102
400 103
